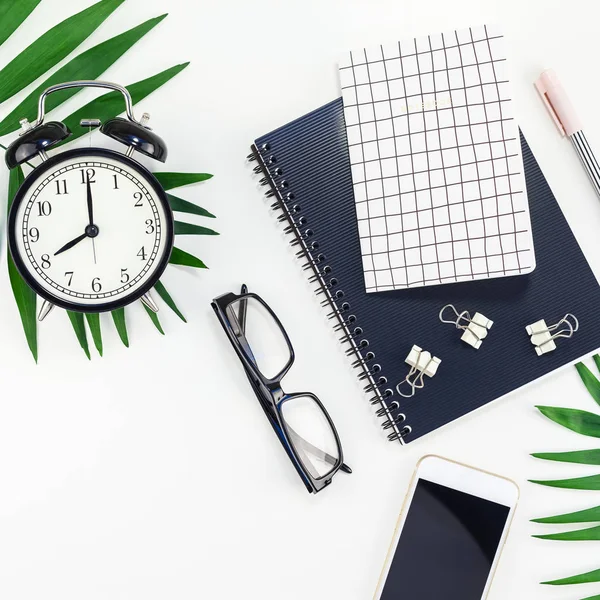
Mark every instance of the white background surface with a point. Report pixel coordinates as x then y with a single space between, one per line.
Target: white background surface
152 472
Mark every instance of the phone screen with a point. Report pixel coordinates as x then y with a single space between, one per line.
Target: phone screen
447 546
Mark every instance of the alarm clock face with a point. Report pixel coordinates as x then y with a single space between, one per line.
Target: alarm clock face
91 230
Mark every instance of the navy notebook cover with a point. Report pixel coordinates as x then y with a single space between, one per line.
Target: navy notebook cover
307 167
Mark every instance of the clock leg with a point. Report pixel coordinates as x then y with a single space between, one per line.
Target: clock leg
149 302
45 310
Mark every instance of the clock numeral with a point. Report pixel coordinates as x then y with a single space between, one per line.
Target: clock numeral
96 285
142 253
138 199
116 182
46 261
34 234
88 175
44 208
61 187
124 276
69 274
149 226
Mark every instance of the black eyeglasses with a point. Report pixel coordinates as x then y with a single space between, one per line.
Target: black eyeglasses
300 420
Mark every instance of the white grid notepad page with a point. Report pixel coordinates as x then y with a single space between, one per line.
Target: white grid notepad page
436 161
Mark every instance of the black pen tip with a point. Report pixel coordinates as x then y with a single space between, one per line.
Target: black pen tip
244 288
345 468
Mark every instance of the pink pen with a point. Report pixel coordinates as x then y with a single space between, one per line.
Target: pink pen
562 112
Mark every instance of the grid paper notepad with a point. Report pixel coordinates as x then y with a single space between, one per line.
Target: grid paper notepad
436 161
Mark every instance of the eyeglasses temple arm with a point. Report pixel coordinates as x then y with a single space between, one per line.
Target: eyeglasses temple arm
243 308
241 317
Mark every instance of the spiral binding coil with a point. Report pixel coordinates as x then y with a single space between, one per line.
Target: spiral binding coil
334 297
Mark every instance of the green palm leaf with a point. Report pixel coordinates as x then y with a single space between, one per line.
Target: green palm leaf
24 296
582 457
88 65
592 598
182 228
54 45
26 301
589 515
168 300
596 358
590 381
591 577
175 180
581 421
110 105
12 14
154 318
180 205
581 535
578 483
118 316
78 323
93 321
181 257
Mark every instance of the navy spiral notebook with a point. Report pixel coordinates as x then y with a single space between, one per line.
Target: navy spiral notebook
306 166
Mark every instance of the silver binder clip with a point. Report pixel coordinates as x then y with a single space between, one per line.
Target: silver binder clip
421 363
542 336
474 329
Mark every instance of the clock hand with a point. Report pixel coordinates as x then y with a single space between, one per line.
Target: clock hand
72 243
90 206
91 230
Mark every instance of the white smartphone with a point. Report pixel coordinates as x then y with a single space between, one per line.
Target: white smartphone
450 533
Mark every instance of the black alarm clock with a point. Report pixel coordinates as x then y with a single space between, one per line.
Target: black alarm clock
90 229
